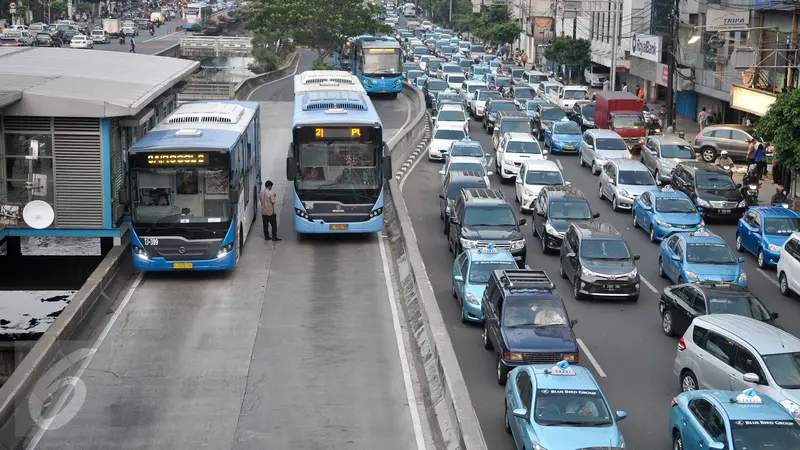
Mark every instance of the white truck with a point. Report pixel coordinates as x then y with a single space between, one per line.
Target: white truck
566 96
157 17
112 27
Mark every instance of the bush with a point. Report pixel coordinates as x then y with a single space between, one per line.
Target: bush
324 66
264 60
196 28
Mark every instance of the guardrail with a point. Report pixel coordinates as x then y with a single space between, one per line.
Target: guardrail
207 91
216 45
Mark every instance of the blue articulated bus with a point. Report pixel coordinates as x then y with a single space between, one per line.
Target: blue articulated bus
378 63
337 160
192 187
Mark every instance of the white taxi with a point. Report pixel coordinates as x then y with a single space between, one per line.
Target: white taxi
452 114
512 150
533 176
444 134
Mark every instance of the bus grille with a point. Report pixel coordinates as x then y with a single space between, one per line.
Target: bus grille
183 251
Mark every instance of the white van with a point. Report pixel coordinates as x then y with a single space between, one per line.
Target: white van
157 17
595 75
534 77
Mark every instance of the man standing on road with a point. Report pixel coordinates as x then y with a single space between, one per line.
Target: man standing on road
267 199
133 45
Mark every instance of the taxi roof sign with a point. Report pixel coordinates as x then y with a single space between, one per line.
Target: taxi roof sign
488 249
562 368
749 396
667 188
701 232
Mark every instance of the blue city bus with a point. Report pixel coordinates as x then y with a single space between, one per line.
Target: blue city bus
378 63
192 186
337 160
196 14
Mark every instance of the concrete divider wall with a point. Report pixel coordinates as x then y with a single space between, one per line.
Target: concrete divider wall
447 391
244 88
173 51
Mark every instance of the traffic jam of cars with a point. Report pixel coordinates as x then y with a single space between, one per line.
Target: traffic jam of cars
736 370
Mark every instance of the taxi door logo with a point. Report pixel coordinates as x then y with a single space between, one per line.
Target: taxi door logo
545 391
739 423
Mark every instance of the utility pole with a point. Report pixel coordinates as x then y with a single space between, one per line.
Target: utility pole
674 27
615 37
791 56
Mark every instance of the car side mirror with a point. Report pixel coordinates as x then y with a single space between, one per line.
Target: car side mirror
774 315
751 377
540 213
519 180
523 221
573 322
570 255
291 168
595 215
454 220
441 172
637 257
521 413
544 152
620 415
590 147
741 260
489 173
567 183
716 446
458 278
675 258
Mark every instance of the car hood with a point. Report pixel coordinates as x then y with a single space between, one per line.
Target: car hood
608 267
455 86
491 233
680 218
441 144
480 103
613 154
715 272
791 394
578 437
635 189
671 162
776 239
568 138
730 195
434 92
540 339
460 122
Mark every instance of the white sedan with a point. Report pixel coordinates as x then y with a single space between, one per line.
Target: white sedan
81 42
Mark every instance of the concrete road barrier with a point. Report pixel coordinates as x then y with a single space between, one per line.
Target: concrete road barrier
247 86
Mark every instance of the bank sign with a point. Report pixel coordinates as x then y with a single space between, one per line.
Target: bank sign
719 20
646 46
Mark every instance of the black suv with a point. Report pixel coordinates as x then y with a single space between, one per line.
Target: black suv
525 321
543 117
680 304
554 209
481 217
493 106
431 88
454 182
583 114
596 258
711 189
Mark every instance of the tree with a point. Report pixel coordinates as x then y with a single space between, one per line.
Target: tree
781 127
505 32
572 52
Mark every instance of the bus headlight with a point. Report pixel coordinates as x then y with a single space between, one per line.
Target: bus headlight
223 252
140 252
301 213
376 213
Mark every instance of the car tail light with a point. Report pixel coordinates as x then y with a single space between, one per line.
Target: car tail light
681 345
696 138
674 401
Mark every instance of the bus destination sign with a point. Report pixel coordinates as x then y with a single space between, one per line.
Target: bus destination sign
381 50
177 159
337 133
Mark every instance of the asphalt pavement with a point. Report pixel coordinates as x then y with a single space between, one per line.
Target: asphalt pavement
622 343
164 37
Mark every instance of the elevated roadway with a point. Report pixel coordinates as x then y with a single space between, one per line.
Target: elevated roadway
299 347
622 343
164 37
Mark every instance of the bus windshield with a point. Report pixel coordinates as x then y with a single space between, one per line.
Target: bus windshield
338 166
192 11
383 61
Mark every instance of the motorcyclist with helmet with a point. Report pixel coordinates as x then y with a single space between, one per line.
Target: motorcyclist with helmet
750 178
724 161
779 197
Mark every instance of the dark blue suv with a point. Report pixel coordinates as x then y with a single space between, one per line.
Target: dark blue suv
525 321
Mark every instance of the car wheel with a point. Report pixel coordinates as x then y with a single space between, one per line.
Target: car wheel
784 285
576 293
580 159
507 423
708 154
677 441
595 170
739 245
487 343
600 191
635 223
614 205
667 323
661 272
561 270
543 238
688 381
501 372
652 234
454 286
463 314
762 263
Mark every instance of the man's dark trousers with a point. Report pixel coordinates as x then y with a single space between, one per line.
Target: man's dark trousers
267 221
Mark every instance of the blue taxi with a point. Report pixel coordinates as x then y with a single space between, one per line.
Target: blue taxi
480 72
699 256
763 230
717 420
471 272
664 213
468 147
559 407
563 137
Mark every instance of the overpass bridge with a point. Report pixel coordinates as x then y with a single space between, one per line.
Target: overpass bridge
205 46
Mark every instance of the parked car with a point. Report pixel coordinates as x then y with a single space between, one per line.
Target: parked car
715 138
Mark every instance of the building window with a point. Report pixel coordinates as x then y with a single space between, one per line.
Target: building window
17 170
692 19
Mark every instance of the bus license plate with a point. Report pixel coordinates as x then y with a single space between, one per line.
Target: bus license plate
339 226
182 265
724 211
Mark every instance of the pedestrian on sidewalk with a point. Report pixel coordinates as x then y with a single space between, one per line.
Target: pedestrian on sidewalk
269 218
624 87
133 46
606 85
701 118
524 59
761 160
751 153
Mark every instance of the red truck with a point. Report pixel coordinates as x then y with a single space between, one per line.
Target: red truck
621 112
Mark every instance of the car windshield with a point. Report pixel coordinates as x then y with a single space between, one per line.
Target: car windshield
553 114
487 95
531 104
517 73
480 70
709 253
623 122
675 205
503 106
421 51
515 126
588 112
570 210
413 74
575 94
452 116
550 87
523 93
636 178
544 178
434 64
437 85
502 82
456 78
677 151
489 216
785 369
571 407
782 225
455 188
476 166
465 64
613 249
447 96
527 147
467 150
569 128
610 144
476 49
481 271
494 64
765 434
452 135
714 181
534 313
741 305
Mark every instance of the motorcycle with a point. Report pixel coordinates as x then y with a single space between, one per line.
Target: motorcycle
152 32
751 194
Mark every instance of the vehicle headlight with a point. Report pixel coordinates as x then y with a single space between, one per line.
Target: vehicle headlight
702 203
222 252
792 407
741 204
641 139
554 139
549 229
588 273
600 157
518 245
536 446
661 223
513 356
702 224
529 192
140 252
624 193
774 248
742 277
633 273
466 243
471 299
691 276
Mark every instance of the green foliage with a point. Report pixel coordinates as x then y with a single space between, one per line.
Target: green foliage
493 24
439 10
565 50
265 59
58 6
781 127
322 25
196 28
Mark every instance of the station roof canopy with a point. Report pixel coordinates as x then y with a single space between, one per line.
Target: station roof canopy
56 82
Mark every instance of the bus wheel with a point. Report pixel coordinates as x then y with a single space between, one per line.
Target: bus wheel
241 240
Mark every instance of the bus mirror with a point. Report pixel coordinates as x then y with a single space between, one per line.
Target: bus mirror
386 163
291 169
233 195
123 196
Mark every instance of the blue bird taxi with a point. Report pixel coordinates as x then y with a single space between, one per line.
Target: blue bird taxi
699 256
471 272
666 212
559 407
563 137
763 230
724 420
468 147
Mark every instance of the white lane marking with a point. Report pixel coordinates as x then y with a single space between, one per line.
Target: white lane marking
296 66
404 365
164 36
769 278
647 283
589 355
411 169
558 163
88 360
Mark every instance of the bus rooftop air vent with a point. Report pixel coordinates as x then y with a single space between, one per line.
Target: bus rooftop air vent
328 104
207 113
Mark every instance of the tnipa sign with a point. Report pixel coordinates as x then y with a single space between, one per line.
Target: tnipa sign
646 46
719 20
